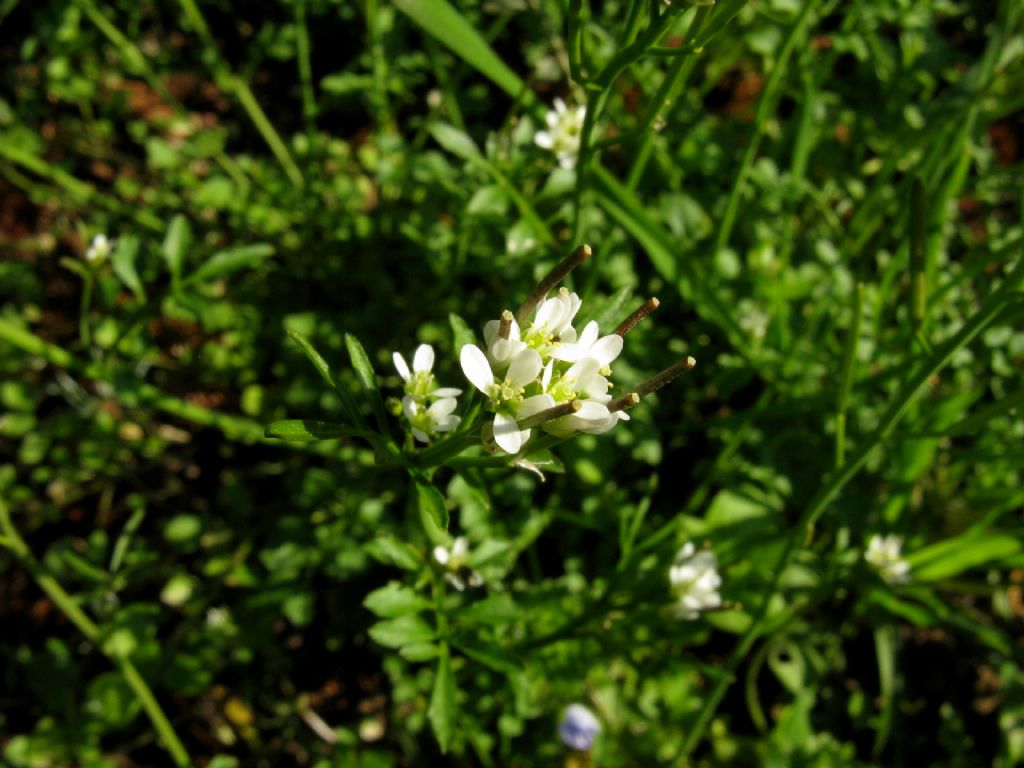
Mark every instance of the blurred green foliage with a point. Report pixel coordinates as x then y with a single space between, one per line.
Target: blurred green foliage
329 168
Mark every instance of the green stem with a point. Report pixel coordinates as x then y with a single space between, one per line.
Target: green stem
309 109
83 312
846 373
233 83
67 605
764 107
678 73
908 395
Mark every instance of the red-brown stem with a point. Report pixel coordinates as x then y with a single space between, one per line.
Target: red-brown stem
663 378
550 280
505 326
630 322
541 417
624 403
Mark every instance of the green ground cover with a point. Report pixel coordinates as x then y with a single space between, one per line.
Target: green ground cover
215 553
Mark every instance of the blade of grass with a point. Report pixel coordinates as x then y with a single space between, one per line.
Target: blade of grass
846 374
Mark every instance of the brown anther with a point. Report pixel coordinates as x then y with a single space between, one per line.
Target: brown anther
505 326
623 403
630 322
550 280
663 378
565 409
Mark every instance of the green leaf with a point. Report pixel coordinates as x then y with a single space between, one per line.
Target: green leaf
123 262
461 331
493 658
420 652
361 363
304 431
405 630
954 556
176 245
455 141
394 599
439 19
390 551
432 503
315 358
367 377
442 712
228 261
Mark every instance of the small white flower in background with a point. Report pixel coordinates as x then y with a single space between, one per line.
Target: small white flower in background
562 137
884 553
426 422
420 381
456 563
507 398
99 249
579 728
695 580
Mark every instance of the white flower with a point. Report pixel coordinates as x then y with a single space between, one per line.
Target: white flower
883 553
582 381
501 351
552 323
99 249
695 580
579 727
506 395
563 134
420 381
604 349
427 422
456 563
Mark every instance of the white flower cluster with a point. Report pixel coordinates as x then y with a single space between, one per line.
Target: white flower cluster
428 407
565 125
695 580
525 372
884 554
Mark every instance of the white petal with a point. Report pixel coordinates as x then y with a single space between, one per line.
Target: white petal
535 404
441 555
507 434
568 353
409 407
524 368
559 106
400 365
442 407
605 350
491 332
544 140
477 369
547 312
423 360
589 335
447 423
423 437
446 392
545 380
460 547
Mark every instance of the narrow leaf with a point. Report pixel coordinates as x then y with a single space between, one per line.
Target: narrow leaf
439 19
305 431
420 652
123 262
395 600
954 556
442 711
226 262
405 630
391 551
367 377
455 141
315 358
432 504
176 245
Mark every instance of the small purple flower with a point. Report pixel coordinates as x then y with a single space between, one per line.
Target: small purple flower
579 727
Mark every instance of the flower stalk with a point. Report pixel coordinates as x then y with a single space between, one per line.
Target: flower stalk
550 280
